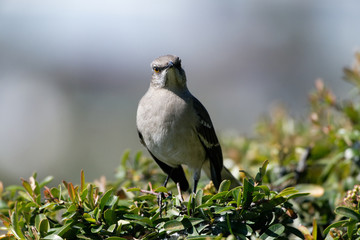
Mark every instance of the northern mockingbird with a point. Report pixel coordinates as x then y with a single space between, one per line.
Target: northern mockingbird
176 129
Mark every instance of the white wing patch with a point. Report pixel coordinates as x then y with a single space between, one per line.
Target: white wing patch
206 143
202 122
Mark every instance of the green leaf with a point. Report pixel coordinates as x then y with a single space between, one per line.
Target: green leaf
27 187
199 197
161 189
137 159
269 205
62 230
36 188
297 195
42 224
228 224
351 228
347 212
261 173
104 199
68 215
223 209
173 226
97 213
191 203
224 186
55 192
83 195
80 236
82 180
97 229
44 227
46 181
71 191
123 222
243 229
264 167
237 194
133 189
112 228
341 223
139 219
110 216
90 220
195 221
263 188
295 231
16 229
124 158
247 193
90 196
273 232
315 229
52 237
287 191
14 188
205 205
258 196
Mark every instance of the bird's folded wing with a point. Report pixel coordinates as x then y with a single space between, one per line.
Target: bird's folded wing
210 142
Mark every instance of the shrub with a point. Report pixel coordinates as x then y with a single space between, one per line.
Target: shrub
319 155
84 212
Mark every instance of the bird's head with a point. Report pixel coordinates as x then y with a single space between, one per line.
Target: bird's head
168 73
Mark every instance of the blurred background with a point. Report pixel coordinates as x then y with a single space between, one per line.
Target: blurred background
72 72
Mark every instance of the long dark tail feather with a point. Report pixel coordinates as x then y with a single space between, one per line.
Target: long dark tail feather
178 176
215 175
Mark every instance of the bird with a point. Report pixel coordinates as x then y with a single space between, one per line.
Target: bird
176 128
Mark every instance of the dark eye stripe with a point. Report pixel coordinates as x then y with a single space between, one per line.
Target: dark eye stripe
158 69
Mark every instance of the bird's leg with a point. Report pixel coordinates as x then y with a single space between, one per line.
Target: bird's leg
166 180
161 195
195 185
197 175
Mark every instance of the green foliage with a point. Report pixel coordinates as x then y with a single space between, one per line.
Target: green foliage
348 227
83 212
319 155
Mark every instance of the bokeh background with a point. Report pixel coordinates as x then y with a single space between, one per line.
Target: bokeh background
72 72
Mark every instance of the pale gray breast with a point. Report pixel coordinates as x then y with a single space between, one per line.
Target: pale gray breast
169 130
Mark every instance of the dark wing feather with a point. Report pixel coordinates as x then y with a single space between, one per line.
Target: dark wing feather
176 174
210 142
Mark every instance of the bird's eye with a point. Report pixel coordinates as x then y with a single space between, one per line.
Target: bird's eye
156 69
